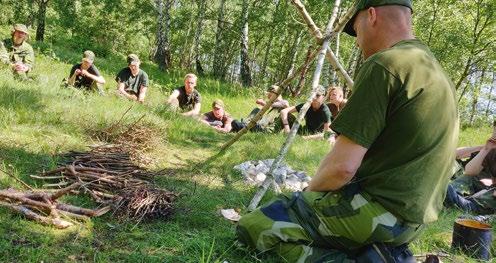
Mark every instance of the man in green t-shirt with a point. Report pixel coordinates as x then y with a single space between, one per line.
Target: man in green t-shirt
17 53
132 82
388 171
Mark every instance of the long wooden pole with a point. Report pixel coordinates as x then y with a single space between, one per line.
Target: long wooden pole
301 114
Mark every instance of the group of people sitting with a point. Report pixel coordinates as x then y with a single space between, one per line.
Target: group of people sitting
279 116
133 82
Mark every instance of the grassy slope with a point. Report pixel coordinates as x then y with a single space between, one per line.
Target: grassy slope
40 120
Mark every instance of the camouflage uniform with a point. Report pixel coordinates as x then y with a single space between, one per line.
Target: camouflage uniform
10 54
323 227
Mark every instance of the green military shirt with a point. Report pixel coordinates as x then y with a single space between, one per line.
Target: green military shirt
403 110
11 54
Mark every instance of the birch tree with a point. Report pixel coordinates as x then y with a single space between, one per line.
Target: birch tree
245 72
162 54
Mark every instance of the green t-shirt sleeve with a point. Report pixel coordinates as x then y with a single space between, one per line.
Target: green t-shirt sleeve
144 80
327 114
364 117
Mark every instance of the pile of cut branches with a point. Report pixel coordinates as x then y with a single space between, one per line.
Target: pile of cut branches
137 138
108 175
43 206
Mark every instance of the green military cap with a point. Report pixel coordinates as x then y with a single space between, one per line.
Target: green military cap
89 56
320 90
219 103
273 89
21 28
133 59
364 4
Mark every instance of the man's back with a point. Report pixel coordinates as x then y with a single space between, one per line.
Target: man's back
409 123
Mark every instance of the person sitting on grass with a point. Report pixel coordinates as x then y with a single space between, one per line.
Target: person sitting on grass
187 98
473 191
132 82
218 118
85 75
336 100
317 118
270 122
387 174
17 53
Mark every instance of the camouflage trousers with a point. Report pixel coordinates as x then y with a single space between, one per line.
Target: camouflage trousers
323 226
480 195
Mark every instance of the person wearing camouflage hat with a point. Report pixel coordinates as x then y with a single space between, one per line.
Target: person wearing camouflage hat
387 174
17 53
132 82
85 75
317 117
218 118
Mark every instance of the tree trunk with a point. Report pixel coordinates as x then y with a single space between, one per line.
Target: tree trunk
271 38
294 53
433 21
199 26
162 54
334 76
301 82
218 65
245 66
475 96
489 99
40 30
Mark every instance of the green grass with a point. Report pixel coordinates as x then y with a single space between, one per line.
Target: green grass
39 120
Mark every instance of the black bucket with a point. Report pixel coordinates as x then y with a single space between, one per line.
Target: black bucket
473 238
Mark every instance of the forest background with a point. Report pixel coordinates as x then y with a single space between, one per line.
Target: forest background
259 42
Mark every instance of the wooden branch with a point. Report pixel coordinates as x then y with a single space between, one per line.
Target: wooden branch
258 116
57 222
63 191
17 179
301 114
329 34
308 20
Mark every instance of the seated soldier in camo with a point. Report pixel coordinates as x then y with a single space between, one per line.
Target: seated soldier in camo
218 118
270 122
17 53
85 75
317 118
473 191
132 82
187 98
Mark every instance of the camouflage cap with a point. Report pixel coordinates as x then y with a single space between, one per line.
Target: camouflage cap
364 4
21 28
218 102
320 90
273 89
89 56
133 59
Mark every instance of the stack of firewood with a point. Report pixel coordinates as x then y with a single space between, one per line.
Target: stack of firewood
44 207
107 174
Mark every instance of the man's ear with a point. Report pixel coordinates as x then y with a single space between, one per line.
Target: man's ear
372 15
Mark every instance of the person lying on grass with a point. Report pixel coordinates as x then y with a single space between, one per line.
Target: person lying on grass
218 118
17 53
271 121
132 82
85 75
187 98
473 191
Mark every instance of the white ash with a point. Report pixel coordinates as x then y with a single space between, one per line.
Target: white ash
255 172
